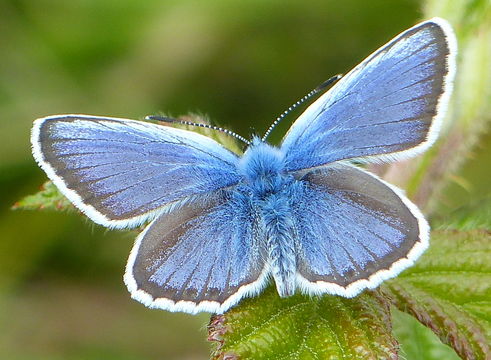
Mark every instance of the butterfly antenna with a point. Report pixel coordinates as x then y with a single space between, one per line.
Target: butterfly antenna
314 92
190 123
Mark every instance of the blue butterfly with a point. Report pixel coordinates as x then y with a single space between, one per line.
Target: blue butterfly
222 225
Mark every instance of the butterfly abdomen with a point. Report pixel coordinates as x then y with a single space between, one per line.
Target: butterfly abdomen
279 232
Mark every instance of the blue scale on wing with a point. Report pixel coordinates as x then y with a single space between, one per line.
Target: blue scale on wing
326 243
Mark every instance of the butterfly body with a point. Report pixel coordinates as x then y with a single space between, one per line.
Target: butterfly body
221 225
271 189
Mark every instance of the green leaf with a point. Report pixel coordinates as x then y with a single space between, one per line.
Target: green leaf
49 197
449 291
302 327
417 342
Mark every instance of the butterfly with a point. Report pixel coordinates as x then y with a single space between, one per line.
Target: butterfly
301 213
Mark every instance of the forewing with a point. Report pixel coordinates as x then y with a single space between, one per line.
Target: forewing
388 107
204 257
123 172
354 231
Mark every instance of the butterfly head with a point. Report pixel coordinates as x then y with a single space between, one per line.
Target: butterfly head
262 163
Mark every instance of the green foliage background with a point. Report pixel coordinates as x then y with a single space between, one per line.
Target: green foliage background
241 63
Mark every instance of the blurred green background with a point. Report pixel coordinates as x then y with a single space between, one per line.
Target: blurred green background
239 62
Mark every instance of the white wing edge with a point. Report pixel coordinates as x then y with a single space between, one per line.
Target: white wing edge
374 280
74 197
248 290
442 101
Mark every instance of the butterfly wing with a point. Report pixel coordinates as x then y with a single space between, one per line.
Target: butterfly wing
388 107
122 172
354 231
203 257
